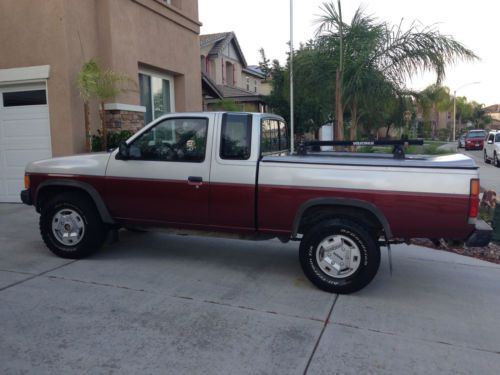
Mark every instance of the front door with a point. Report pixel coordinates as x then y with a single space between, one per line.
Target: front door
166 178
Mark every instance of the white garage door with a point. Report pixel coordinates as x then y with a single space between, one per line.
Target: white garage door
24 135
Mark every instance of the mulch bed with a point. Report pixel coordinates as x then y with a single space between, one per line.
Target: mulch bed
490 253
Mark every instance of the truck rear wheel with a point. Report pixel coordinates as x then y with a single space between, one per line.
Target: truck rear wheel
339 256
71 226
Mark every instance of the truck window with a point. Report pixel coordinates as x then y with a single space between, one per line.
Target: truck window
236 136
274 138
178 139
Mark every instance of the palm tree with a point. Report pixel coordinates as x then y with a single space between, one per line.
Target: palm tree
103 85
86 83
366 48
434 99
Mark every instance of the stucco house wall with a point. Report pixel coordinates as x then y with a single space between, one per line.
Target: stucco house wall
123 35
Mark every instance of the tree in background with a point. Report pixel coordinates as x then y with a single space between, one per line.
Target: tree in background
264 63
102 84
228 105
86 83
356 72
432 100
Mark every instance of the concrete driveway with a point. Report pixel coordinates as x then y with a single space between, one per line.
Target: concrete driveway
161 304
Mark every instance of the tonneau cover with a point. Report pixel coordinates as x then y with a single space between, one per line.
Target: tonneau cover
454 161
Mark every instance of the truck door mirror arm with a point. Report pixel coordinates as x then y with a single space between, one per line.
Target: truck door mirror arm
123 151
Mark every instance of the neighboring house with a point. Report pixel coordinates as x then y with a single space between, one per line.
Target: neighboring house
43 45
223 63
494 112
437 119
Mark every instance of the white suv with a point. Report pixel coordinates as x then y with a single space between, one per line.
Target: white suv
492 148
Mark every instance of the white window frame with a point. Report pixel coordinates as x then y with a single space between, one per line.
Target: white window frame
163 76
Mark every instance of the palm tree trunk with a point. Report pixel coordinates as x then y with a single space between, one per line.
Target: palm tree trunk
354 121
339 113
104 129
388 130
86 110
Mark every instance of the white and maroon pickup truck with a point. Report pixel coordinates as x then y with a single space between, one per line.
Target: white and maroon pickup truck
231 174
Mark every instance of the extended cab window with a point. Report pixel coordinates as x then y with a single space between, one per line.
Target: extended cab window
274 138
236 136
497 137
179 139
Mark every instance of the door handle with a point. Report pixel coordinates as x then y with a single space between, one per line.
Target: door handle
195 181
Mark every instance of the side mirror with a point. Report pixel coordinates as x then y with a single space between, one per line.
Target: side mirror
123 151
490 142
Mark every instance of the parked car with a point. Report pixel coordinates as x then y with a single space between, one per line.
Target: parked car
461 141
492 148
474 140
232 175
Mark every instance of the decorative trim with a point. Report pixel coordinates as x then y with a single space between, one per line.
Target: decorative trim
124 107
30 73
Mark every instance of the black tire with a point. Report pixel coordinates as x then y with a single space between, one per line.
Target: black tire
368 249
93 233
486 160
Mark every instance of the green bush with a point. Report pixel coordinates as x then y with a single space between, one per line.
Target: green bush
113 138
443 134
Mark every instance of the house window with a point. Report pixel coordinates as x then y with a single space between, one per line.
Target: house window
254 85
229 74
248 83
21 98
157 95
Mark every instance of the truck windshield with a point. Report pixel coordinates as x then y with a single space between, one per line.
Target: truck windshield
476 135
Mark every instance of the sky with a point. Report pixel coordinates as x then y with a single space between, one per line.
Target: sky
266 24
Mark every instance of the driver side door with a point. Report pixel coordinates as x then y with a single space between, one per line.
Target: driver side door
165 179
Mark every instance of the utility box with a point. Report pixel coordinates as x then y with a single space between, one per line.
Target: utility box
326 134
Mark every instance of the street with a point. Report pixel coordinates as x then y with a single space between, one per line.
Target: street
156 303
488 173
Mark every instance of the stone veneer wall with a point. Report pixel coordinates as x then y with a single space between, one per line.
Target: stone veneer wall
118 120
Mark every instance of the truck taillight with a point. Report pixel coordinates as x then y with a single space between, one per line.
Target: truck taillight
474 198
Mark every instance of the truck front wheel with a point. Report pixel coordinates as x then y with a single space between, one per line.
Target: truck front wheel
71 226
339 256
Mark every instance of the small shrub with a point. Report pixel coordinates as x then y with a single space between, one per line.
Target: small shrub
113 139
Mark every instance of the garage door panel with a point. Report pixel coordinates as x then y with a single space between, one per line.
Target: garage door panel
19 158
24 137
26 144
24 128
26 111
14 187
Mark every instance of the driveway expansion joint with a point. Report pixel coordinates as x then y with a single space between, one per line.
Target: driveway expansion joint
416 338
18 272
325 324
37 275
240 307
493 266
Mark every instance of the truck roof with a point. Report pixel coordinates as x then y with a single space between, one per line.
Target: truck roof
258 114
